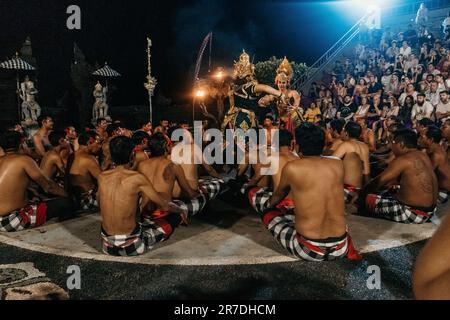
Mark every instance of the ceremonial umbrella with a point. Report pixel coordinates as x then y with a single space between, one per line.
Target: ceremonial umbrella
107 72
17 64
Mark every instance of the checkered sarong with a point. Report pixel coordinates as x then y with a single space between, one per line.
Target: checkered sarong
387 207
349 191
282 228
258 198
33 215
211 189
87 200
146 234
443 196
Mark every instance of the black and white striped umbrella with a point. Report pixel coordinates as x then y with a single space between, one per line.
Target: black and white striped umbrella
16 64
107 72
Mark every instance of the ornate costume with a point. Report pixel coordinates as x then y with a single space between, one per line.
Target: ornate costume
289 111
243 98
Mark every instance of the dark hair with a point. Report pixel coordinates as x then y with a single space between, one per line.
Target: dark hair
337 125
434 133
12 140
425 122
353 129
158 145
420 94
407 136
396 126
311 139
121 149
86 138
99 120
55 136
41 119
139 137
285 138
269 116
112 127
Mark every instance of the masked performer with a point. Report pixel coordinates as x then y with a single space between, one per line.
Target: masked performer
244 96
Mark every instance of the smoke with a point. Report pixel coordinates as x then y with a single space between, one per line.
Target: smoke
233 30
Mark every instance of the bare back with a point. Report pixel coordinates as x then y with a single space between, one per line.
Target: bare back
83 170
356 161
160 172
418 182
52 163
190 169
441 164
284 158
118 193
316 186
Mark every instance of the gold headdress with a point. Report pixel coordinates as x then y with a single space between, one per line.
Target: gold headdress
98 86
284 71
243 67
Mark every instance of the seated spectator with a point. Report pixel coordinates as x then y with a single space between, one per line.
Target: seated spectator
443 107
422 109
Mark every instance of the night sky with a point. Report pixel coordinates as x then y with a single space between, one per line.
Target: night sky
115 31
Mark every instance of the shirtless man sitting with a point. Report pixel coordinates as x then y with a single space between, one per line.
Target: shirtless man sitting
355 156
315 230
335 131
430 140
258 196
367 135
415 200
140 139
82 172
16 211
162 172
191 166
40 138
52 164
119 192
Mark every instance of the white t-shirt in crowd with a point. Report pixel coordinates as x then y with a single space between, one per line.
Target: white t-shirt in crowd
405 51
443 108
420 112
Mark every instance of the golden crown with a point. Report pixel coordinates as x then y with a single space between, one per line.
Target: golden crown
243 67
284 71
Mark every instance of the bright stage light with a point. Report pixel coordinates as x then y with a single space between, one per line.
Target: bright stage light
200 93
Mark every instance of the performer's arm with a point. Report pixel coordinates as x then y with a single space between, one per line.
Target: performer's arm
262 88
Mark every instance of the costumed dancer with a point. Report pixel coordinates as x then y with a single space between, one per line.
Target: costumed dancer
244 95
290 114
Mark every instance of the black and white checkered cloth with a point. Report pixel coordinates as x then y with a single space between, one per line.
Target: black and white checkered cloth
282 228
387 207
147 234
258 197
106 71
87 200
443 196
210 189
16 64
31 216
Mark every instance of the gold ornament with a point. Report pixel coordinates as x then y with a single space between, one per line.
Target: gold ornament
284 71
243 68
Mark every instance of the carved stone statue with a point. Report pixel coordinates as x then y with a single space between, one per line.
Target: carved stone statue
30 108
100 109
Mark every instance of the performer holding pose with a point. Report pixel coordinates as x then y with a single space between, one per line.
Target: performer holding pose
290 114
244 96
